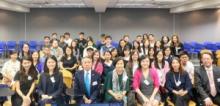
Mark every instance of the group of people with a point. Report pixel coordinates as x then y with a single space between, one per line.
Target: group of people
144 71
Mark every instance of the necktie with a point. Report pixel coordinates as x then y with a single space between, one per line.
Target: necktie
212 83
87 82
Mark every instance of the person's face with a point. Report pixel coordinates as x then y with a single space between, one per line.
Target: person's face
25 48
47 51
160 56
35 56
167 52
176 65
207 60
107 56
108 41
46 40
158 44
145 63
122 43
67 36
73 44
96 56
89 53
184 59
81 36
68 51
174 39
54 36
114 53
55 44
126 52
165 39
139 39
90 43
51 64
119 67
61 39
14 56
135 56
136 45
87 64
151 38
151 52
26 64
126 39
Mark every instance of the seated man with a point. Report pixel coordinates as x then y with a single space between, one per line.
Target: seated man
87 83
207 81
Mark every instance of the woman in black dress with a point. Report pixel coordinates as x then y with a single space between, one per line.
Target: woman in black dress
68 61
25 83
50 85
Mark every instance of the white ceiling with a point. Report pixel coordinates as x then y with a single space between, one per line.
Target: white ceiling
101 5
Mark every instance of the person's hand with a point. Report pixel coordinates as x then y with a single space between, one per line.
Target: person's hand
182 93
117 96
145 99
26 101
208 102
45 97
176 92
88 101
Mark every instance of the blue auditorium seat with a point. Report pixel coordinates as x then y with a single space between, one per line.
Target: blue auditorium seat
33 45
2 48
11 46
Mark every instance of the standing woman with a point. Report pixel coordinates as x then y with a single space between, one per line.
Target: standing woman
114 53
36 62
151 54
157 46
25 83
50 85
162 68
97 63
68 61
126 55
145 47
117 83
108 64
168 54
74 46
176 45
121 47
25 51
136 46
165 41
178 84
146 83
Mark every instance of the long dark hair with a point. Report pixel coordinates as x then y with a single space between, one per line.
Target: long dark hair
130 62
162 42
99 59
38 52
139 46
141 59
46 69
32 70
65 54
156 60
180 68
22 52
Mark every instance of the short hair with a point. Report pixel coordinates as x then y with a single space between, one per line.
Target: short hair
208 53
117 60
62 36
102 35
183 53
108 36
84 58
67 33
12 52
81 33
46 37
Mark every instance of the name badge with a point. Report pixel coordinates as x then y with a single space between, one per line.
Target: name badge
29 77
125 78
52 79
94 83
178 83
146 82
218 80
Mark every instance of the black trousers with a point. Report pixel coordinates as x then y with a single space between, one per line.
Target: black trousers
180 100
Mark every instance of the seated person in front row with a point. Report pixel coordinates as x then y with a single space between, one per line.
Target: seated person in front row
50 85
207 81
178 84
117 83
146 83
87 83
25 83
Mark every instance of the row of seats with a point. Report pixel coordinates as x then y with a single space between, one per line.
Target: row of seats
195 47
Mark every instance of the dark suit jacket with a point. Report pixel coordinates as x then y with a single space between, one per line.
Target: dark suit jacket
202 82
46 86
80 89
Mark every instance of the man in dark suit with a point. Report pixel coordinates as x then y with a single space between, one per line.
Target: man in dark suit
207 81
87 83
